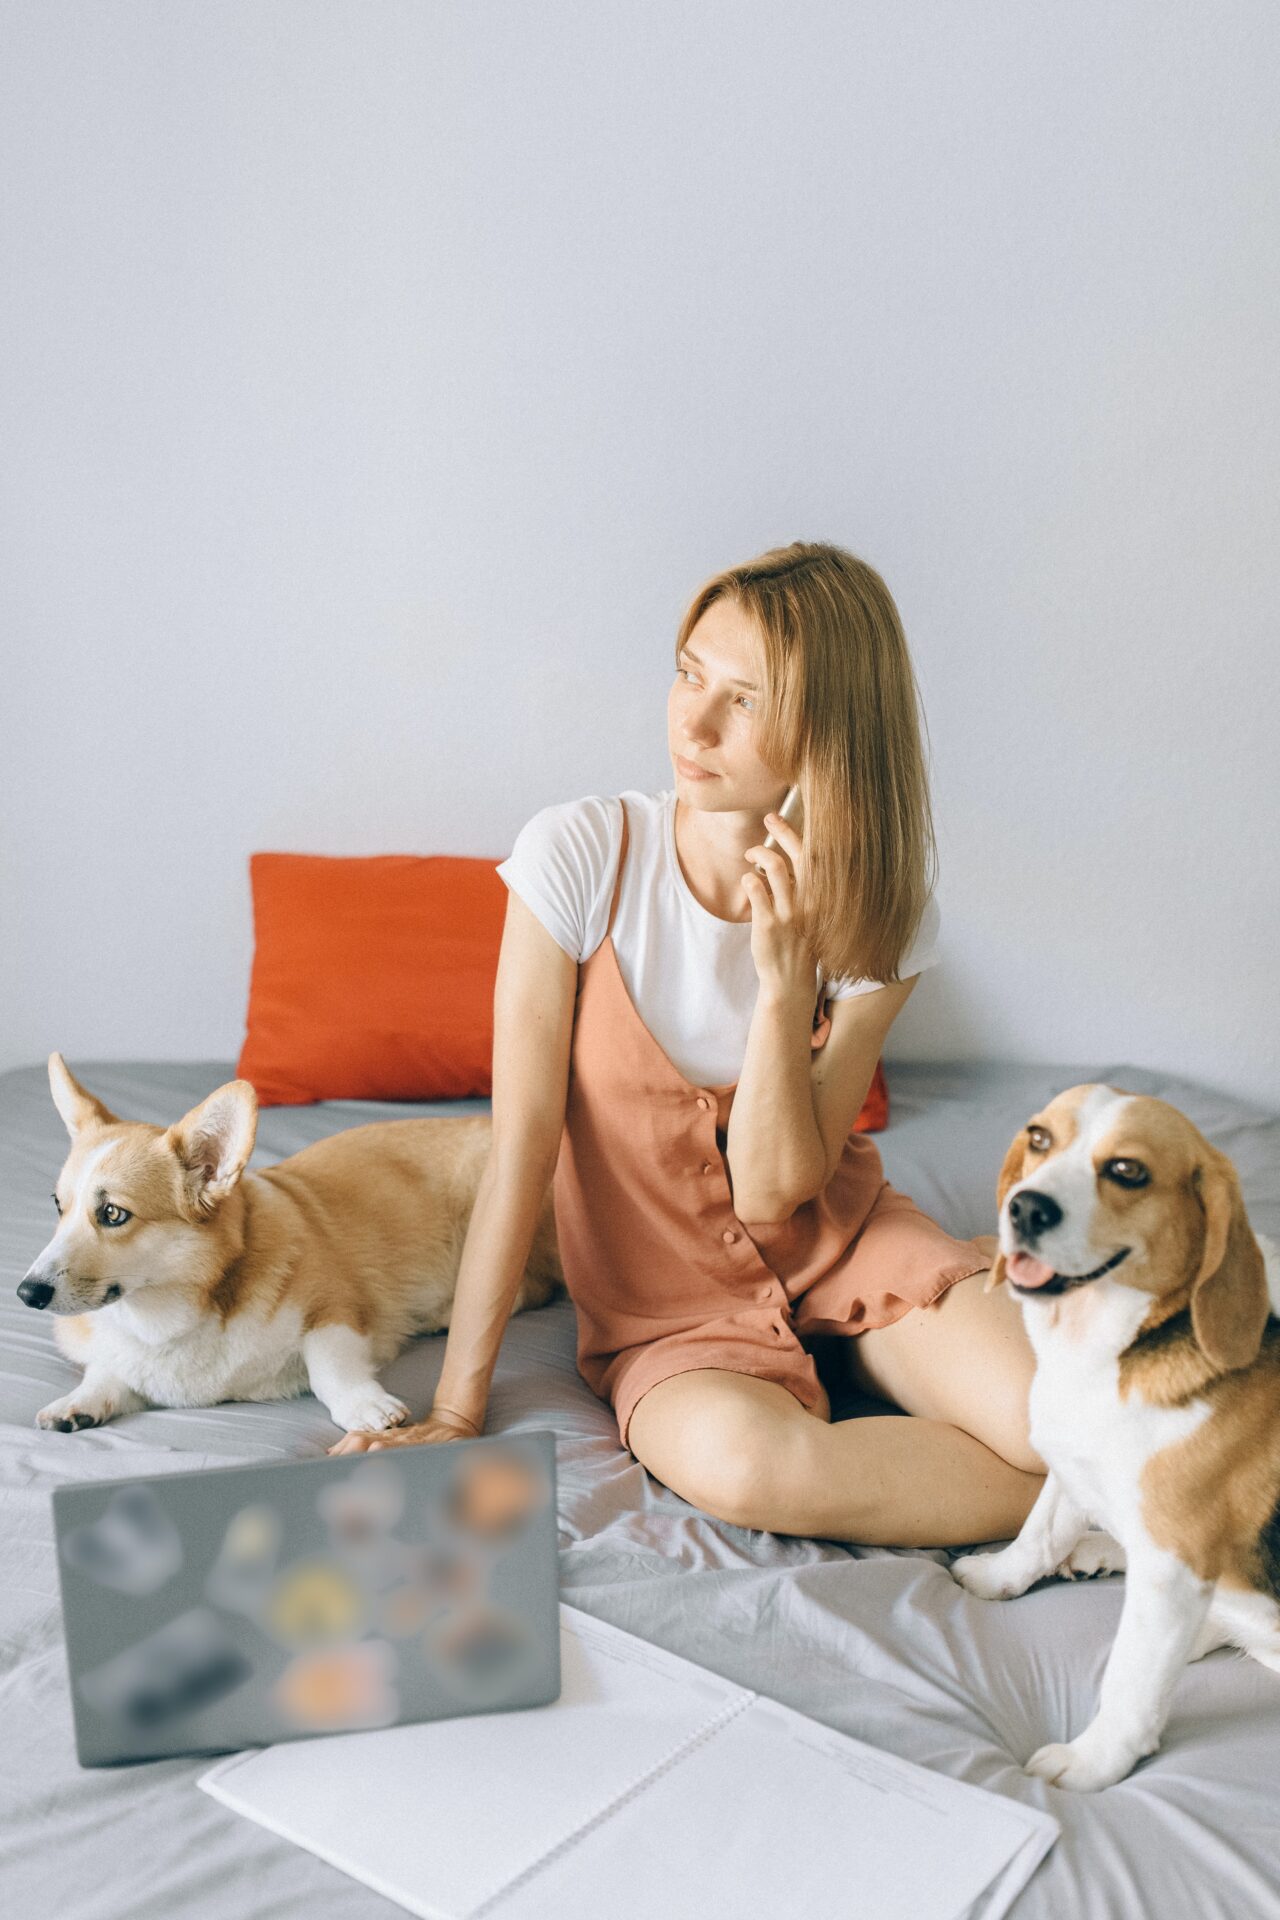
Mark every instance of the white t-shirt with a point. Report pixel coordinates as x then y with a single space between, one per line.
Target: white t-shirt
690 975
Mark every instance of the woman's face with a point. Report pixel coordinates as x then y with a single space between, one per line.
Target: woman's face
711 712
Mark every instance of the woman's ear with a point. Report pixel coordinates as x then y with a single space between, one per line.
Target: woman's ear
1229 1299
821 1025
1009 1172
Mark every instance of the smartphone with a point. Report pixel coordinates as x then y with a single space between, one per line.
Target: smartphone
792 811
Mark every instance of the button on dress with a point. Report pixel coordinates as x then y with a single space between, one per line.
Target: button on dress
663 1275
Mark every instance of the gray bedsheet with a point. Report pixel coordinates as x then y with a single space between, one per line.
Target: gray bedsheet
878 1642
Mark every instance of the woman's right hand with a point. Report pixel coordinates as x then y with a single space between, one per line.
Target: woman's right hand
435 1428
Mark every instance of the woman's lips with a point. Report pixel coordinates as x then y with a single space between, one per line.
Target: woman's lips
693 772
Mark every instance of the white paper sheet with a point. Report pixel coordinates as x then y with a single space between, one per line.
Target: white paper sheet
775 1814
650 1786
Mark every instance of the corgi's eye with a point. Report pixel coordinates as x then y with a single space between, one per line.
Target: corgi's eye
1039 1139
1127 1173
57 1203
112 1216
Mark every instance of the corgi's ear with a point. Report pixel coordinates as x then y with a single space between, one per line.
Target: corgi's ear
1009 1172
213 1143
78 1107
1229 1298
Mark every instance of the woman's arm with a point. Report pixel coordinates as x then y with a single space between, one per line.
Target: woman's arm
499 1236
794 1108
791 1113
533 1011
774 1148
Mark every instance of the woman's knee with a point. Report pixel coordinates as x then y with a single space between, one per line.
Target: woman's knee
1001 1419
1010 1437
966 1359
719 1440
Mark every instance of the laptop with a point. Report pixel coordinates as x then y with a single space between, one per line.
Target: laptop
232 1607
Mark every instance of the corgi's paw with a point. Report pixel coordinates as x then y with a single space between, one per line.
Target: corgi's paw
1082 1765
993 1576
76 1410
368 1408
1093 1553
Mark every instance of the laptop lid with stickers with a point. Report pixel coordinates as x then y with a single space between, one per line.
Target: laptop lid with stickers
231 1607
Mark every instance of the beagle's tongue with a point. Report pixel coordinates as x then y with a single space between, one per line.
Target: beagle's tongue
1027 1272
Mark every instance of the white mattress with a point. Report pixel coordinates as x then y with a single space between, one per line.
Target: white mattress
879 1642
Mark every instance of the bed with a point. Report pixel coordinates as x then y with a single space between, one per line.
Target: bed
881 1643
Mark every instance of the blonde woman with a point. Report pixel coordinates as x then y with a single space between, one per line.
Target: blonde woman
686 1028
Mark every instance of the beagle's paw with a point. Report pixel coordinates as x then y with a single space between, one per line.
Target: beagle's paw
993 1576
1081 1765
1093 1553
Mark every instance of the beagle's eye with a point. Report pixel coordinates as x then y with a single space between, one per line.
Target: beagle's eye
112 1216
1127 1173
1039 1139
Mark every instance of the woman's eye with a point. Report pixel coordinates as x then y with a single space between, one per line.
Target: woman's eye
113 1216
686 674
1127 1173
58 1204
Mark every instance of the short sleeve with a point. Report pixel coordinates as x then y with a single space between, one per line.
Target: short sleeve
563 861
924 953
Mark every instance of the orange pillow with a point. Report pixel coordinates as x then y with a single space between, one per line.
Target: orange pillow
875 1108
373 979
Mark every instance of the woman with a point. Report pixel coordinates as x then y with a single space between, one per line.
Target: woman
656 1050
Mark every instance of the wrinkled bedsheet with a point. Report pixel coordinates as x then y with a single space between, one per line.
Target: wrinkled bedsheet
881 1643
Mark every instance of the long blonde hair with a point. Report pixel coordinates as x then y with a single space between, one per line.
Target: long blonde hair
841 716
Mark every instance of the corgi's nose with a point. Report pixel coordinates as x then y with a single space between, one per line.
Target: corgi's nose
34 1292
1033 1213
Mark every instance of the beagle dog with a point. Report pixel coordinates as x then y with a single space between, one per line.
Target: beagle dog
1152 1307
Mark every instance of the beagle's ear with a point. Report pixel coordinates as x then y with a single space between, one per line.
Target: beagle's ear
1229 1299
1009 1172
78 1107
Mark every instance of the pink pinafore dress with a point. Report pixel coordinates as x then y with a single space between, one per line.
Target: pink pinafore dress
663 1274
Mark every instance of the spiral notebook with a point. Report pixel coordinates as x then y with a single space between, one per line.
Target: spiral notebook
650 1786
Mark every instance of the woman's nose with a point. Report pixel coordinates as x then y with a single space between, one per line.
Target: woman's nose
699 723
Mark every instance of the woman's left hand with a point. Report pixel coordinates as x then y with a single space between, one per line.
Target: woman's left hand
784 961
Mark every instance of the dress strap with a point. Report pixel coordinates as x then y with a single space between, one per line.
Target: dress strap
617 885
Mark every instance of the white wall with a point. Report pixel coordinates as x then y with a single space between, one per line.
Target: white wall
380 379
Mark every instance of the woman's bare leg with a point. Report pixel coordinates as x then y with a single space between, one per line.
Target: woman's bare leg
746 1450
965 1359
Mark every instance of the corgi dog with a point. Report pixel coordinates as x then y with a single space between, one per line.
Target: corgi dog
181 1279
1152 1306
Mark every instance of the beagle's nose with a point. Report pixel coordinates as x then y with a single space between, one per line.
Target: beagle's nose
1033 1213
34 1292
